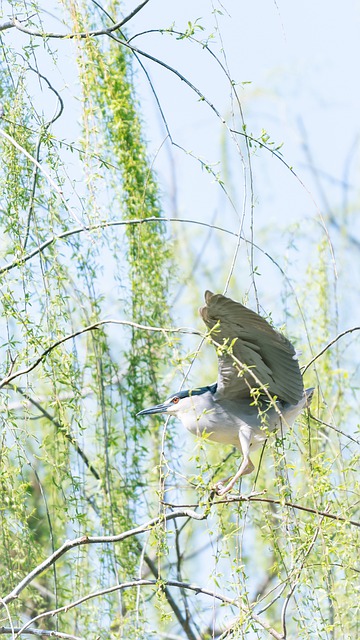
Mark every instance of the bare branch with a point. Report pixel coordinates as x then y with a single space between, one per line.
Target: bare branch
38 632
292 505
85 540
341 335
254 497
170 583
83 34
331 426
9 378
103 225
124 43
7 25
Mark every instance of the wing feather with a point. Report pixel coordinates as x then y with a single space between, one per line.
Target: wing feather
263 350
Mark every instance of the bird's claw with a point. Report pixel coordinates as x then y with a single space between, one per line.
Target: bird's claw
220 489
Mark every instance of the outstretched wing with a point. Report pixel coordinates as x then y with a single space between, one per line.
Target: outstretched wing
268 354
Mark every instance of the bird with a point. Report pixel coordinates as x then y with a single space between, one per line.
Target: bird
259 388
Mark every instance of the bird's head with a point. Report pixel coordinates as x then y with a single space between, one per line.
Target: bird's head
178 403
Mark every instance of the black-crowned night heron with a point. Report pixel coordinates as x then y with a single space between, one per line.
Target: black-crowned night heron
259 387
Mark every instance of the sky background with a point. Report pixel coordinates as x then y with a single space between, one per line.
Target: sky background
295 71
301 63
298 65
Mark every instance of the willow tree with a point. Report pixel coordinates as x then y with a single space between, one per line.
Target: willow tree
108 531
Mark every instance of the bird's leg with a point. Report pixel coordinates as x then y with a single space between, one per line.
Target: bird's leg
245 467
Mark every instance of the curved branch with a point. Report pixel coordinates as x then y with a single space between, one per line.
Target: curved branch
15 374
69 36
109 32
85 540
169 583
341 335
254 497
103 225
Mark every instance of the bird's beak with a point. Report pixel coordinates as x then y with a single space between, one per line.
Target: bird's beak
159 408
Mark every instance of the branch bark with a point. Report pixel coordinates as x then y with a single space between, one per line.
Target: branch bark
169 583
41 633
85 540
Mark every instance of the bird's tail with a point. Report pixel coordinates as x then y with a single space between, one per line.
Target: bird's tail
308 395
291 411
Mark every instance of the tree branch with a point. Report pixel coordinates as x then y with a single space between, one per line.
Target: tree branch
254 497
341 335
103 225
331 426
69 36
37 632
85 540
15 374
292 505
169 583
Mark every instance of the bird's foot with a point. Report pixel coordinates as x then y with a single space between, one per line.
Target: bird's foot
223 486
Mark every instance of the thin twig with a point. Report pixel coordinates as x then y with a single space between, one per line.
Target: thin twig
254 497
331 426
292 505
39 166
69 36
340 335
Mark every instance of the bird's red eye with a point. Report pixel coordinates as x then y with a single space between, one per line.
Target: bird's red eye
175 400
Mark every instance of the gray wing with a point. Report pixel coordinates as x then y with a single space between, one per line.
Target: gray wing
270 355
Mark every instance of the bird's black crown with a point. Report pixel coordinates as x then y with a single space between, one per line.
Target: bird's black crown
198 391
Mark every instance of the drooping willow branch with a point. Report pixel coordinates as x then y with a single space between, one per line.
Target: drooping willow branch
60 427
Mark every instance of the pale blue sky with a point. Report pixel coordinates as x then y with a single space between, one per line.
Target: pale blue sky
301 61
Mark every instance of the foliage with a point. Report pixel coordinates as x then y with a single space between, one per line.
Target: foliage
105 516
